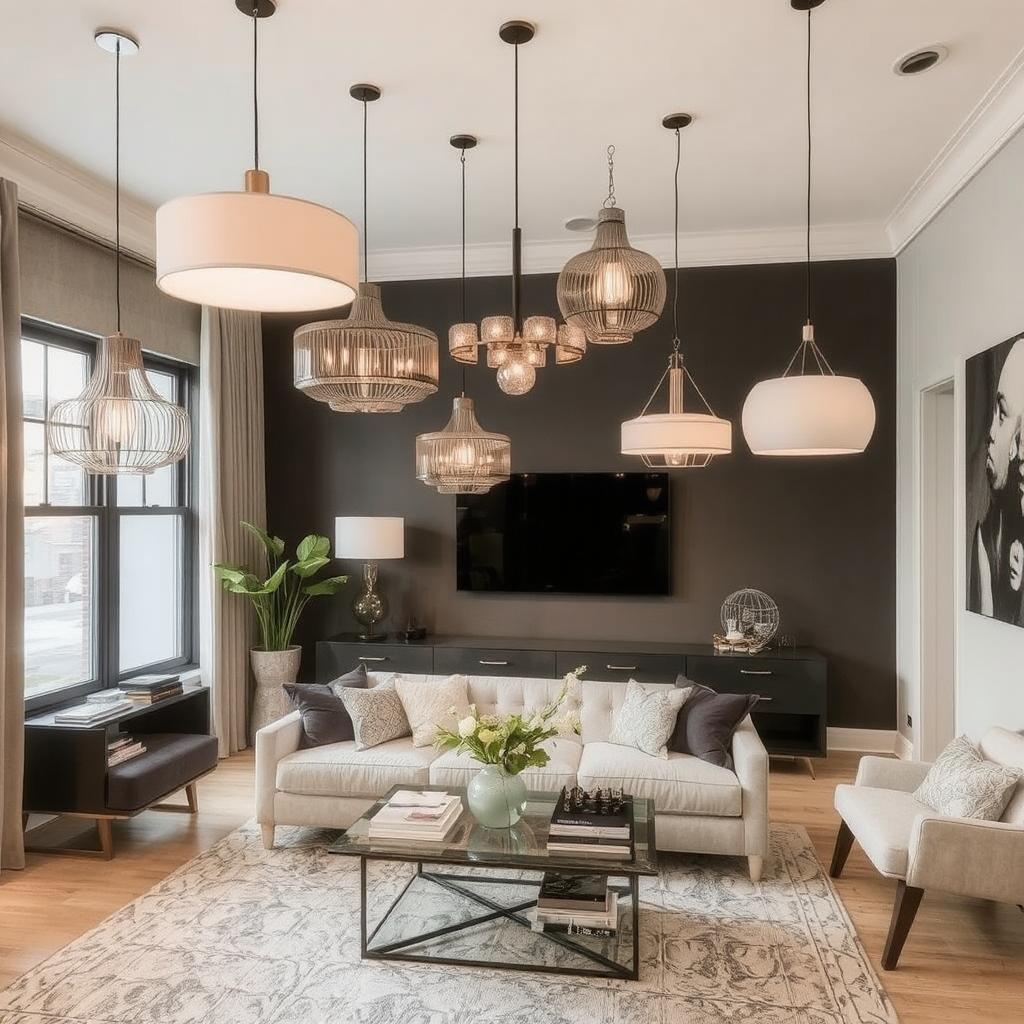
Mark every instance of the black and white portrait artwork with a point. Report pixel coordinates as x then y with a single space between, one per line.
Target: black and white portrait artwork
995 482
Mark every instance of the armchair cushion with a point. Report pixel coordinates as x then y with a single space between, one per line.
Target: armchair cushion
890 773
962 784
882 821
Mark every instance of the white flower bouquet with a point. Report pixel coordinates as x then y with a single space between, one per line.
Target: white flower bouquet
514 741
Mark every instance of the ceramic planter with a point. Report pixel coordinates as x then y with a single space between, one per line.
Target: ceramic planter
272 670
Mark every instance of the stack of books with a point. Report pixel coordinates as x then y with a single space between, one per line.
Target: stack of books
412 815
124 748
91 714
576 905
151 689
602 834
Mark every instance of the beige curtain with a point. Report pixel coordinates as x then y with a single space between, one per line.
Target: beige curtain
12 542
232 488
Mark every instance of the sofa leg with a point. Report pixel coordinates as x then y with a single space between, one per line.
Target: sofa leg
844 840
908 899
268 836
756 865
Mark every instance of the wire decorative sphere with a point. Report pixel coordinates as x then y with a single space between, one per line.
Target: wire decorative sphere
752 613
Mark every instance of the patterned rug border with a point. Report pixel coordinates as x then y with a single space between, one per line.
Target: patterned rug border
250 827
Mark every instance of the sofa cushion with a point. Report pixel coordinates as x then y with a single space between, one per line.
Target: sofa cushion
454 769
324 718
646 718
428 704
881 820
1007 748
962 784
600 704
171 761
377 715
679 784
706 723
339 769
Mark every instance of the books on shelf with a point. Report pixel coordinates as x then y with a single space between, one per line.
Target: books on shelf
92 714
123 748
410 815
587 906
104 697
149 689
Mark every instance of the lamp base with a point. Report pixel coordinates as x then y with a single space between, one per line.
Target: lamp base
372 638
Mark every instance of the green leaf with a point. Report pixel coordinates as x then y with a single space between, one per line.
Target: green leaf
309 567
324 588
313 546
275 581
274 545
228 573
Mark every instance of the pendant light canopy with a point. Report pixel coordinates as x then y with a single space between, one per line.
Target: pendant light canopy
463 458
366 362
252 249
678 439
517 347
118 424
612 290
812 411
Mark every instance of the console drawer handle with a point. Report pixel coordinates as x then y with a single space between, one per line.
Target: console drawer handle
374 657
755 672
482 662
621 668
764 700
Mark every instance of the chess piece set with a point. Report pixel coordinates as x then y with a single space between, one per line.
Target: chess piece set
601 801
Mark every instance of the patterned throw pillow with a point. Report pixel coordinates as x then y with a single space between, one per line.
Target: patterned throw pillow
428 704
647 718
377 715
962 784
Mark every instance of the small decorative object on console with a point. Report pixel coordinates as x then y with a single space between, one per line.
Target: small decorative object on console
750 619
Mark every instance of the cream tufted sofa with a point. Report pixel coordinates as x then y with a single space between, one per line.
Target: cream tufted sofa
700 808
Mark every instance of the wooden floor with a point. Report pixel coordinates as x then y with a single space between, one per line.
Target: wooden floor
964 961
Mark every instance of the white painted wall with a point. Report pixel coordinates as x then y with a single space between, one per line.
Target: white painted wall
960 289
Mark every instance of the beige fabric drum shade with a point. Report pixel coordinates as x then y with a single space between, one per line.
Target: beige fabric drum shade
676 433
69 280
256 251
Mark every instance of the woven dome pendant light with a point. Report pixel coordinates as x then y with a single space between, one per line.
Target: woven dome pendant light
612 290
818 413
366 362
118 424
677 439
463 458
252 249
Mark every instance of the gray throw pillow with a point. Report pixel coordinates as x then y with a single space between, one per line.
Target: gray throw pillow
707 721
962 784
324 718
647 718
377 715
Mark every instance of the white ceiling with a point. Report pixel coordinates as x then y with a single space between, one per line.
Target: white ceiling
598 72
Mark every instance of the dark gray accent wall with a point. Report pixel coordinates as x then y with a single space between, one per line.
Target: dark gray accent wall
819 535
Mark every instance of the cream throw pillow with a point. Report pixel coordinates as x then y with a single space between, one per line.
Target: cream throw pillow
428 704
647 718
377 714
962 784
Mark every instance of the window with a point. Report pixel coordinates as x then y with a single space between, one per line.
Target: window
108 560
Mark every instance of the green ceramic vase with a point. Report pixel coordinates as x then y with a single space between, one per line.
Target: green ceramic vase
496 798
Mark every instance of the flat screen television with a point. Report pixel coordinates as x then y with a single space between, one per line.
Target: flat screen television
567 533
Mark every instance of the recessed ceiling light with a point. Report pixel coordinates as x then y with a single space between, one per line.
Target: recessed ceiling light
920 60
580 223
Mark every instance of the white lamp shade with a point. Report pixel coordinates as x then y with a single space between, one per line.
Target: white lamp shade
256 251
677 433
809 415
369 538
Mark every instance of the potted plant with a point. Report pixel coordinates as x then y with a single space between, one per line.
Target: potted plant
279 600
506 745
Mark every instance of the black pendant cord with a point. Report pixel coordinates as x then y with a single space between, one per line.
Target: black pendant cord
675 228
117 182
366 248
462 161
255 89
807 284
517 236
515 174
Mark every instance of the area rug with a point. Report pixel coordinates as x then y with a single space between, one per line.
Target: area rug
243 935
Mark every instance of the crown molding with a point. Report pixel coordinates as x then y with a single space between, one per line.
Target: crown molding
988 127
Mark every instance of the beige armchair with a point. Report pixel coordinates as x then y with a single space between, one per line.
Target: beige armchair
921 849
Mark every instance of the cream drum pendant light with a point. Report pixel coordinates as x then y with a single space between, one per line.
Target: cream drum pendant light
366 362
612 290
118 424
252 249
463 458
813 410
678 439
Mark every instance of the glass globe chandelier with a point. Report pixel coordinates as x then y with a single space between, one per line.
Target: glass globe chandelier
612 290
366 362
808 413
252 249
678 439
463 458
118 424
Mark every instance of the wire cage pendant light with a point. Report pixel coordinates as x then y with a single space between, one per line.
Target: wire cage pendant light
679 438
803 412
118 424
463 458
253 249
366 362
611 291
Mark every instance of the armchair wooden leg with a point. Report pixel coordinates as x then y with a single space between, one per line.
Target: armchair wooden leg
908 899
192 797
844 840
104 827
268 836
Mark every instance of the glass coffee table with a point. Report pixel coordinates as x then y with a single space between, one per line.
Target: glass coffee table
470 904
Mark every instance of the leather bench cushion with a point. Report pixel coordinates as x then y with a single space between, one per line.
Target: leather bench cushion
171 761
678 784
881 820
338 769
456 770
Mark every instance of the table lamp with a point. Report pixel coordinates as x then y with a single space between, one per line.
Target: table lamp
370 539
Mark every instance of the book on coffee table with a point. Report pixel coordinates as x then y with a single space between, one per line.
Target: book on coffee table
564 892
589 823
403 818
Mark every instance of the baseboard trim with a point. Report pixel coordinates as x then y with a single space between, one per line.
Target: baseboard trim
867 741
